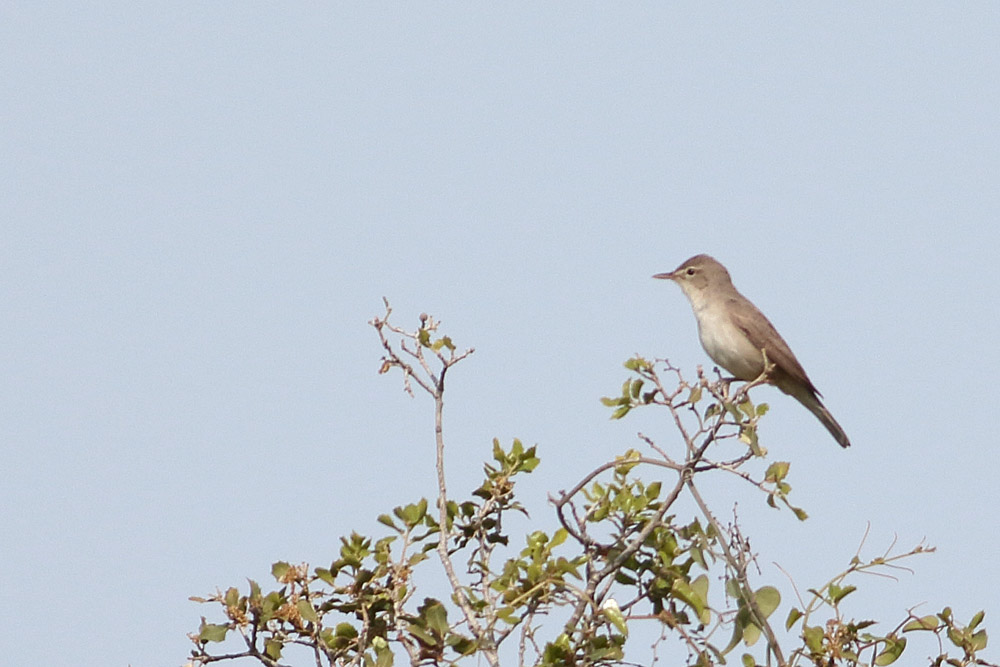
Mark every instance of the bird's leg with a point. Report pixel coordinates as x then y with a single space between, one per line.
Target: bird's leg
725 383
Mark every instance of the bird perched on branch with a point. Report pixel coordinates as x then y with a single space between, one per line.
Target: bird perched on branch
736 335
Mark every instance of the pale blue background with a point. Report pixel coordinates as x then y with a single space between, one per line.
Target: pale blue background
203 203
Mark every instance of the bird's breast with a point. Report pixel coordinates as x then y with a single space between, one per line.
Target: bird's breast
727 345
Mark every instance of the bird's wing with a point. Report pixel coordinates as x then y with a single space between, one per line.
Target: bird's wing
762 334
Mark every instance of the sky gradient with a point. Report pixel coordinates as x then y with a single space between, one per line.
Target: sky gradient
203 205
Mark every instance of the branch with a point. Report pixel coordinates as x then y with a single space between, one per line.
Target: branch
433 384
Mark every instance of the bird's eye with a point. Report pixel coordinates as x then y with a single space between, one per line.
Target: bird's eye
690 272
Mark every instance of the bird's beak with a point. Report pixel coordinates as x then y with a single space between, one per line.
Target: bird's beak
665 276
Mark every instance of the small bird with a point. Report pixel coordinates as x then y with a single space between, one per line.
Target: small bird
735 335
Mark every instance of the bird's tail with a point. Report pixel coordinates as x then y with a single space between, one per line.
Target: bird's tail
815 406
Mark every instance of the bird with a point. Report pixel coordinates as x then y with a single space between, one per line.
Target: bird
736 335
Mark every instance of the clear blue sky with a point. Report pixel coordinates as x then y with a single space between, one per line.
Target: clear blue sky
203 203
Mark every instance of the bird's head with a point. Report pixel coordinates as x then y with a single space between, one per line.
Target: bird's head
697 274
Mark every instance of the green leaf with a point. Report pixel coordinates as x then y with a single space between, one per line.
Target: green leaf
692 594
613 613
462 645
422 635
893 648
636 388
444 341
768 599
272 649
976 620
620 412
751 633
923 623
270 604
306 610
279 569
638 364
793 615
748 660
413 513
737 632
695 395
776 471
437 616
508 615
837 593
698 556
529 461
387 520
211 632
383 654
813 636
346 630
979 640
516 448
700 587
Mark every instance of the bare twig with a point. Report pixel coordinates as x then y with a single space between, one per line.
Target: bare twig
433 383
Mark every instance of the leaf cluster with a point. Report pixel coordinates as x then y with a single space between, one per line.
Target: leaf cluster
629 554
